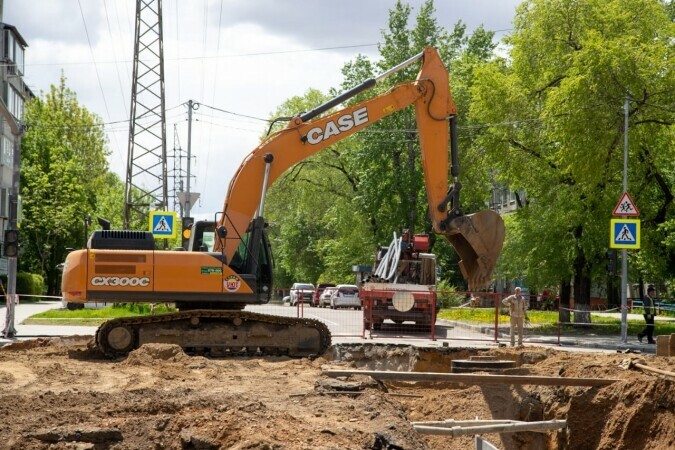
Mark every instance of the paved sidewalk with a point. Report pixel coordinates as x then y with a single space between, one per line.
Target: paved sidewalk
23 311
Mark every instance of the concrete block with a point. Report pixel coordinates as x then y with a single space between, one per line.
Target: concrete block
665 345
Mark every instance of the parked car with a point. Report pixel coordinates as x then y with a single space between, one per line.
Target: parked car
319 290
302 292
286 299
345 296
324 299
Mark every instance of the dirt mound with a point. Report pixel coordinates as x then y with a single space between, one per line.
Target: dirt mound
60 395
151 354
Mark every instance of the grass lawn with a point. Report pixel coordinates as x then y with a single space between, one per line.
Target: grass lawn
93 317
546 322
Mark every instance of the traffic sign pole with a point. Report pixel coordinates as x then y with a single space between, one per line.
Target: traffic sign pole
624 253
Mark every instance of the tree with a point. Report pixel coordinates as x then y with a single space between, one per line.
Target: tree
555 129
64 179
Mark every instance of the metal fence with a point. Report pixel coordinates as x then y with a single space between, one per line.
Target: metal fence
420 312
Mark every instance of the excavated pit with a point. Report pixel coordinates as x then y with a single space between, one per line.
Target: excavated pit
60 394
610 417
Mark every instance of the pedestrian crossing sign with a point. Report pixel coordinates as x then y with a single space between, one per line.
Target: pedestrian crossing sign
163 224
624 233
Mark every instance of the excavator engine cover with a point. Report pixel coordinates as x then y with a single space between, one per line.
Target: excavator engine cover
477 239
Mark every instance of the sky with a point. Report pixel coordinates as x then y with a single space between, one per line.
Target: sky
245 57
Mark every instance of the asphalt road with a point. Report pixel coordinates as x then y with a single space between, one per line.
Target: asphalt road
346 327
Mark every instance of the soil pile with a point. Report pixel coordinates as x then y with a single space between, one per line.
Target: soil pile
59 394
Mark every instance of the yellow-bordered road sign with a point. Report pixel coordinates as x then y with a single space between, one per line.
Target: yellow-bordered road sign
163 224
624 233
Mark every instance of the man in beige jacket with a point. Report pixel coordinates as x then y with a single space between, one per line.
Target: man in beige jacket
518 311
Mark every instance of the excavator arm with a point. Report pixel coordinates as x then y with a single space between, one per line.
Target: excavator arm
477 238
210 288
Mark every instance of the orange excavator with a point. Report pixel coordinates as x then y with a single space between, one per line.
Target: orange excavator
228 262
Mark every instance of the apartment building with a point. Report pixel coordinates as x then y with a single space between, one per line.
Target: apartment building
13 95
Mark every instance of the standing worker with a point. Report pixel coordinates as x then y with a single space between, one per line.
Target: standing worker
650 310
518 311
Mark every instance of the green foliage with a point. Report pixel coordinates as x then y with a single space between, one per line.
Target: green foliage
26 284
29 283
447 297
64 179
557 109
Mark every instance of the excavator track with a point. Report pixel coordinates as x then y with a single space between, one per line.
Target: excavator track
217 333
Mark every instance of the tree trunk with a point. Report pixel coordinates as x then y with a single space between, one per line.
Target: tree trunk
582 292
565 291
613 292
582 284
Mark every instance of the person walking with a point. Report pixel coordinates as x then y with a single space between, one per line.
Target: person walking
517 311
650 311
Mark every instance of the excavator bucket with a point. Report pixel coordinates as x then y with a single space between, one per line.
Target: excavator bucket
477 239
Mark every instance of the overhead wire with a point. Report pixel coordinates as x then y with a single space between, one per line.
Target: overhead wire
190 58
213 100
100 85
117 69
178 48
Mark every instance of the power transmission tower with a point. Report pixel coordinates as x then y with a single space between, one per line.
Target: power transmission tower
178 173
146 181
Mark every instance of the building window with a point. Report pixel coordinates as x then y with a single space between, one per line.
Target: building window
14 102
4 202
6 152
14 51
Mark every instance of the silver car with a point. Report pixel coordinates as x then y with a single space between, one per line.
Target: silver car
324 298
345 296
302 293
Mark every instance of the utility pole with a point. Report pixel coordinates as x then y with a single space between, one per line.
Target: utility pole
17 130
188 199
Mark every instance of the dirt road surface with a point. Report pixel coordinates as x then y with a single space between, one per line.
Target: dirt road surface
59 394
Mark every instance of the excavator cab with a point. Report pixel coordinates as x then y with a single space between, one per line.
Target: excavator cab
253 256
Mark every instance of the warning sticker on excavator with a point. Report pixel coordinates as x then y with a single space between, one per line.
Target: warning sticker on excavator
232 283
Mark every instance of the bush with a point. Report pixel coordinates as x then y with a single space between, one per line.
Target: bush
26 283
447 297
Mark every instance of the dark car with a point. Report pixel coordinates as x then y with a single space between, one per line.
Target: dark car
318 291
